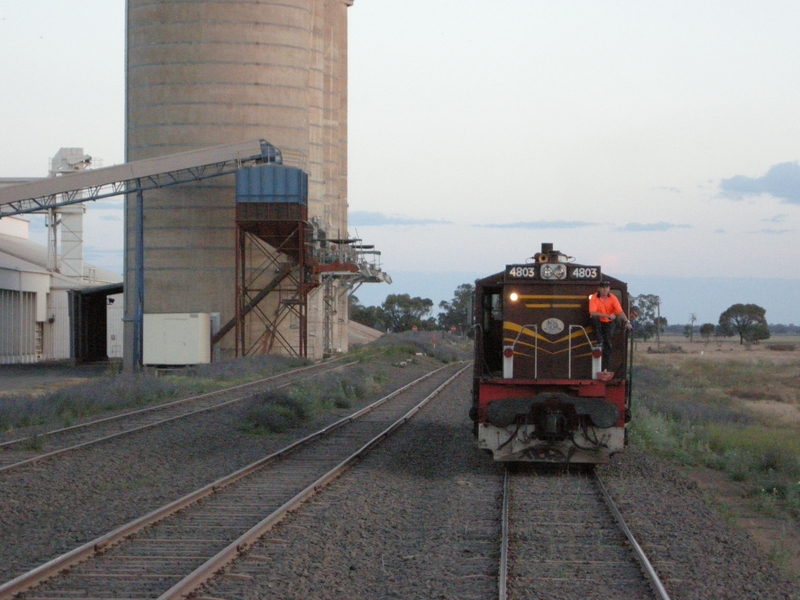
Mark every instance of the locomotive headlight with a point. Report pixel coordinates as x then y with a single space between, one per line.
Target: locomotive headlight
560 271
513 296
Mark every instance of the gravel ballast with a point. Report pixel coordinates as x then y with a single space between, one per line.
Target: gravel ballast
420 518
52 507
697 555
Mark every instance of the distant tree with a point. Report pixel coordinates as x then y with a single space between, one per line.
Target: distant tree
403 312
759 332
706 331
429 324
648 323
371 316
688 332
456 312
747 320
692 319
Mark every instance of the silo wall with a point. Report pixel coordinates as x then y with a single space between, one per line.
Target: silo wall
204 73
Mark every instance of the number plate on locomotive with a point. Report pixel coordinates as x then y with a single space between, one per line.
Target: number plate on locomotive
590 273
522 271
553 271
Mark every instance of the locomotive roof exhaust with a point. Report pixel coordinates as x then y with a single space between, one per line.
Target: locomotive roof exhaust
549 255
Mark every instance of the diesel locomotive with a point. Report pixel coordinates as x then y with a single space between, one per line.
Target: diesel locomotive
540 392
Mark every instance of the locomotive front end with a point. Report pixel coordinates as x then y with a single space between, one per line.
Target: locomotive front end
540 392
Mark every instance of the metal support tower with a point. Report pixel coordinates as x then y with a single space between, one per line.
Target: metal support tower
272 287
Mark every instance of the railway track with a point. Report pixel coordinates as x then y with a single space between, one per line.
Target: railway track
569 541
32 449
173 550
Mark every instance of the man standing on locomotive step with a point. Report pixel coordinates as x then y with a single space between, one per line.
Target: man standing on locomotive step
605 310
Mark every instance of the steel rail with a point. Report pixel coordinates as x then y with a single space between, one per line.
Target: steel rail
80 554
165 405
199 576
637 549
502 576
65 450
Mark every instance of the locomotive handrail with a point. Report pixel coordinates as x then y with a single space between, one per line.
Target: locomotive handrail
479 369
629 387
535 329
569 350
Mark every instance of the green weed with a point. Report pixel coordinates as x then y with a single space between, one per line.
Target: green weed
686 412
277 411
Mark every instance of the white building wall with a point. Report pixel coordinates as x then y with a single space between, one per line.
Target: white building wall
14 226
57 327
20 334
23 310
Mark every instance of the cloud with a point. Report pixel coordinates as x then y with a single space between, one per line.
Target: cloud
110 218
539 225
719 231
781 181
361 218
776 219
770 231
674 190
660 226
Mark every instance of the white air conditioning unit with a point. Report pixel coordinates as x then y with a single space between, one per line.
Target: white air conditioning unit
177 339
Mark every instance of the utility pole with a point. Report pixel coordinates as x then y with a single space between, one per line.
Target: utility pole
658 322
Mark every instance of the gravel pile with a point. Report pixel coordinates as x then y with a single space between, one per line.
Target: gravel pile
697 555
52 507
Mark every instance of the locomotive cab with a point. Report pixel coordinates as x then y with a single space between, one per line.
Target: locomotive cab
539 390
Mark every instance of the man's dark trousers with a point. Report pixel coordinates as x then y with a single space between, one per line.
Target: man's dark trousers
604 333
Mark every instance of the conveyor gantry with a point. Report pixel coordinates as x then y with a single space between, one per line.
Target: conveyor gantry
134 177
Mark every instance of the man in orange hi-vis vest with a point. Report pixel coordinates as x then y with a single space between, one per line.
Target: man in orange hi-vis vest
605 311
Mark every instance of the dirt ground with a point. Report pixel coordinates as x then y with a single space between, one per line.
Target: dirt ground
778 537
41 378
724 350
776 534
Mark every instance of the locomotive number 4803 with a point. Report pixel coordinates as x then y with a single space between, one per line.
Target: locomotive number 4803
522 272
584 273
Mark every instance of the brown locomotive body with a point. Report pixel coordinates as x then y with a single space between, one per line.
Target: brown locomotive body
539 394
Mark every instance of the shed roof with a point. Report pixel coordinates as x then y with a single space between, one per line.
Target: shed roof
19 254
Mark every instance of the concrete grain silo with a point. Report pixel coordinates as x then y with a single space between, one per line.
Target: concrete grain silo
204 73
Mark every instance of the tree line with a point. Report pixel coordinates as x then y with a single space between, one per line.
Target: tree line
402 312
748 321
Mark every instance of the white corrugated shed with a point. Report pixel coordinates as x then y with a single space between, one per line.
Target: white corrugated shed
34 302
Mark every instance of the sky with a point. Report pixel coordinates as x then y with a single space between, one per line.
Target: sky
660 140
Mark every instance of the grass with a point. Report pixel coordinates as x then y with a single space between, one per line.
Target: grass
66 405
200 379
447 347
705 413
115 391
280 410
